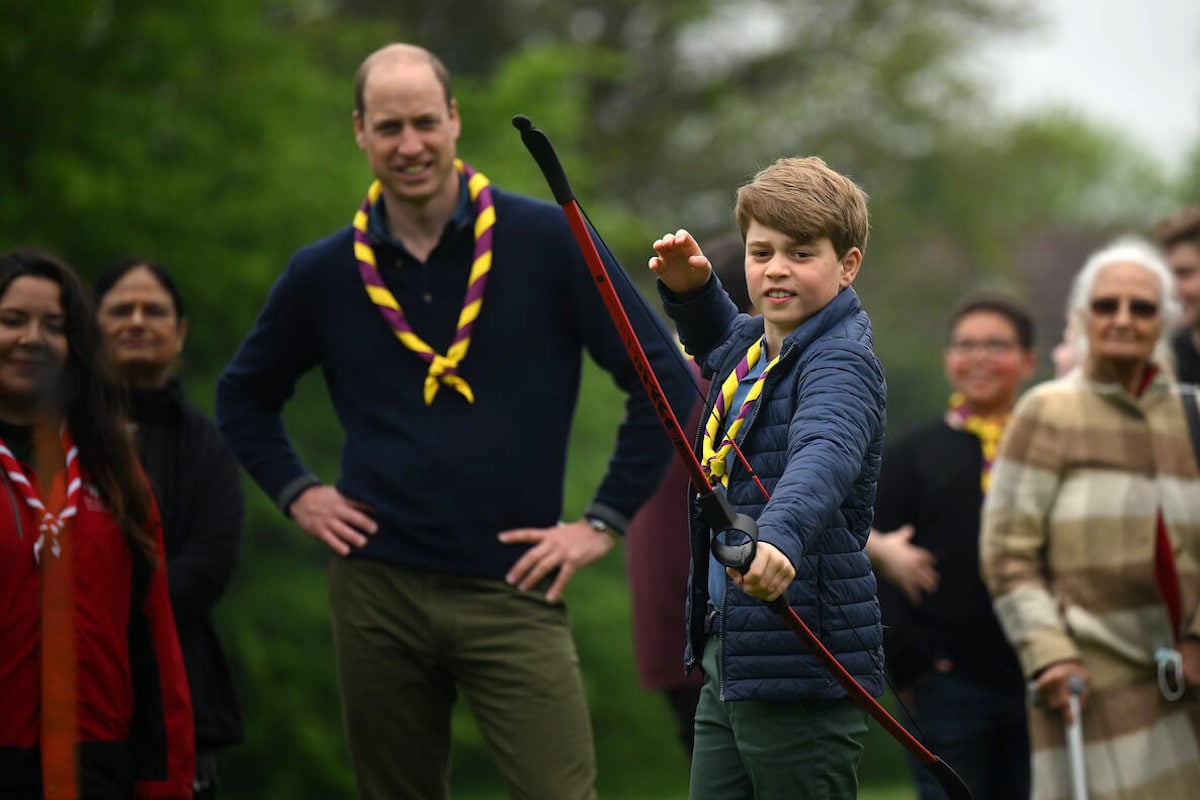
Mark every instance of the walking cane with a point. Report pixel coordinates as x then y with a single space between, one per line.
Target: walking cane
1074 728
735 535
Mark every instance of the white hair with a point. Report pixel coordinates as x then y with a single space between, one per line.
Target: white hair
1125 250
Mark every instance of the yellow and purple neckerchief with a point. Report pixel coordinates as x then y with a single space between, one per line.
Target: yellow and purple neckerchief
443 369
987 429
714 457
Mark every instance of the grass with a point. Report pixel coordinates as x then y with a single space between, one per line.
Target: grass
874 792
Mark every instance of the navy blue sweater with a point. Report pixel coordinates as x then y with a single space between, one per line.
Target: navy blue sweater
445 478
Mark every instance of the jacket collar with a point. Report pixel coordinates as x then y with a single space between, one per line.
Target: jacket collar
1160 387
835 312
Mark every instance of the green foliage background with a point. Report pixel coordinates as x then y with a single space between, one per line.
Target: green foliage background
215 136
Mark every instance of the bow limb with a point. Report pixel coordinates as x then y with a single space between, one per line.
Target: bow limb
946 777
718 512
735 535
543 153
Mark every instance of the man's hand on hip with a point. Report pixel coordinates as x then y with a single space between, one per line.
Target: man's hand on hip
327 515
565 547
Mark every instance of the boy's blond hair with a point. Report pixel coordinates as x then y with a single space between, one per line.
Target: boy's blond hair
806 200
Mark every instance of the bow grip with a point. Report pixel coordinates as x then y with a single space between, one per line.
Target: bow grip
734 535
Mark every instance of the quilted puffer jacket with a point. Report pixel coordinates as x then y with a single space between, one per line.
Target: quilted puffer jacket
814 439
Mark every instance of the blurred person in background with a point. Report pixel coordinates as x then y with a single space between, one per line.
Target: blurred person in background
92 684
1064 355
657 552
1091 543
1178 236
196 482
949 660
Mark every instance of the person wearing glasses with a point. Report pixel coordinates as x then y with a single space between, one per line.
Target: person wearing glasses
197 486
1091 542
948 659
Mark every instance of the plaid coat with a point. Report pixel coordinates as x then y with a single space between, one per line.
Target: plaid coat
1084 474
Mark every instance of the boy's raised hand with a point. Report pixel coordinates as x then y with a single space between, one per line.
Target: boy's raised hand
680 263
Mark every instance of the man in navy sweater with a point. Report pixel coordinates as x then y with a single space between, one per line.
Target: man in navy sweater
449 321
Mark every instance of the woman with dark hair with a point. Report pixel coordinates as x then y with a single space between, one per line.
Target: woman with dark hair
92 685
196 482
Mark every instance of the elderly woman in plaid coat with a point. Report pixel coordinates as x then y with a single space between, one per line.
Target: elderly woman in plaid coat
1091 544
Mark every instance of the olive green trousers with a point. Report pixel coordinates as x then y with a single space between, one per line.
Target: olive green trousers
407 642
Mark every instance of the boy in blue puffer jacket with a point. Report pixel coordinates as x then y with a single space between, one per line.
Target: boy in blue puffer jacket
802 394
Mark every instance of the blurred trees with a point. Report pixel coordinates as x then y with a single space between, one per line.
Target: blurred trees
215 136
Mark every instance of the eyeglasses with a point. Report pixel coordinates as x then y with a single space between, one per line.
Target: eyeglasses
1138 309
992 347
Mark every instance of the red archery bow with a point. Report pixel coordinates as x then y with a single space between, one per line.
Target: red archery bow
715 507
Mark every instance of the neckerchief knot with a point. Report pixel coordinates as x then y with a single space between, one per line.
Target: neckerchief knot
714 456
987 429
64 493
443 369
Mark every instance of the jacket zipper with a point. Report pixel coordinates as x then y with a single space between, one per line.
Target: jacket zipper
745 433
746 428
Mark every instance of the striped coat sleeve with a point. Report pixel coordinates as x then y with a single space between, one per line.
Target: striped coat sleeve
1025 481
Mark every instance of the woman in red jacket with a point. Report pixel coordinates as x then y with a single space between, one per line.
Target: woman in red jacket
93 696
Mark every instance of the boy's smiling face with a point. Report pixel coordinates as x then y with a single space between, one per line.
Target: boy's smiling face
789 281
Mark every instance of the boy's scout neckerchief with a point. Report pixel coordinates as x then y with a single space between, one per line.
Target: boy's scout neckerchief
714 457
987 429
50 523
442 368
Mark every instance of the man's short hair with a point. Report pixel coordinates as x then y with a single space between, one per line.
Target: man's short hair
399 52
1182 227
806 200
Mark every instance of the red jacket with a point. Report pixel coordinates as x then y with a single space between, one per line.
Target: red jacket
135 715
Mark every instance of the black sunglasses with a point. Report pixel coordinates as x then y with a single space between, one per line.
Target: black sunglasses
1108 306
